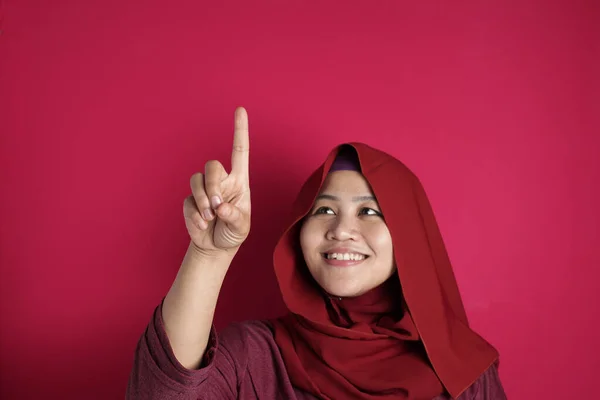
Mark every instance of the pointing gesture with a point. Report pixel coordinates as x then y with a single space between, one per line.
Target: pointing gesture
241 145
217 214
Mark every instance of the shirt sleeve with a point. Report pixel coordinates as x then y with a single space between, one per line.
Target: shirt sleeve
158 375
489 385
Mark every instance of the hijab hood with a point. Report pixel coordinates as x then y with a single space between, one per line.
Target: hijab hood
422 346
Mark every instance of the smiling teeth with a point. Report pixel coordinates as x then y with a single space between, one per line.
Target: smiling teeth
345 256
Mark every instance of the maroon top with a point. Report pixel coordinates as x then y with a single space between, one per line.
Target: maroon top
241 362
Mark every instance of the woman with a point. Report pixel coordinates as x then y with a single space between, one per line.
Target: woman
375 311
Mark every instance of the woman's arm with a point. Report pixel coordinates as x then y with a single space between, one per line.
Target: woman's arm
189 307
217 217
176 356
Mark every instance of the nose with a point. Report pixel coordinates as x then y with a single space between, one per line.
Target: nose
342 228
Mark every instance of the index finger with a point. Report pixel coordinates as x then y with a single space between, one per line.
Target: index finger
241 144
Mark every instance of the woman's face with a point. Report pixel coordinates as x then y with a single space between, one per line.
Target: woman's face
345 241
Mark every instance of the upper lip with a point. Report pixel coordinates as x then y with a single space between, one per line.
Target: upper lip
343 250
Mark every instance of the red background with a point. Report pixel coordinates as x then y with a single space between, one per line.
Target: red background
108 107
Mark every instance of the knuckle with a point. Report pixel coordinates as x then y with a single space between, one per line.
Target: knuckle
240 148
212 191
189 201
189 207
196 180
212 165
199 197
213 170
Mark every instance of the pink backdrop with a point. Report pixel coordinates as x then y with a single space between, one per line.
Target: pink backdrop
108 107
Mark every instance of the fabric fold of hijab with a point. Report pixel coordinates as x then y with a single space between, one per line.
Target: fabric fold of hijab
409 338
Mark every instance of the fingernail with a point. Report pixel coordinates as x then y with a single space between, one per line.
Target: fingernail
215 201
207 214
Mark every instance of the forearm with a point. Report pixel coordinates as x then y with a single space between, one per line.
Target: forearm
189 307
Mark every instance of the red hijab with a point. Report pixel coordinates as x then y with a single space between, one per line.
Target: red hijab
409 338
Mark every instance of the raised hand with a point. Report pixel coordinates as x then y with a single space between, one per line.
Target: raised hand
217 214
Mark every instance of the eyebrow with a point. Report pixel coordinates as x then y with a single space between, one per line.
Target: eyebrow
355 199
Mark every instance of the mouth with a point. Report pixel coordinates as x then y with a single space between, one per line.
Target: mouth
345 256
344 259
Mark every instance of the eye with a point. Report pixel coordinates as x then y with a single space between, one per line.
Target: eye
324 210
370 211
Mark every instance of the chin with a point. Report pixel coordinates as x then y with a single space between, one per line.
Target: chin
338 290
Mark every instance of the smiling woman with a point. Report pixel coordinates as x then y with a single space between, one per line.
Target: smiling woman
374 308
345 242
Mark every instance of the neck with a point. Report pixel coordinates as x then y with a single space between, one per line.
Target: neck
369 307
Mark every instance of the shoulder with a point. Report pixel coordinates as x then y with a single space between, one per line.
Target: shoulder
249 337
252 347
247 330
487 387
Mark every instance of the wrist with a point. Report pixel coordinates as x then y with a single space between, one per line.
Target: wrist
212 255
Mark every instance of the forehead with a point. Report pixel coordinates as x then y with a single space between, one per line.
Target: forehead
349 182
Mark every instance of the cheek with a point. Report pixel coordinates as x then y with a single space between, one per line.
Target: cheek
380 239
308 238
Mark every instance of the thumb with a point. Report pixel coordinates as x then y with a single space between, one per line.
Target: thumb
233 217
